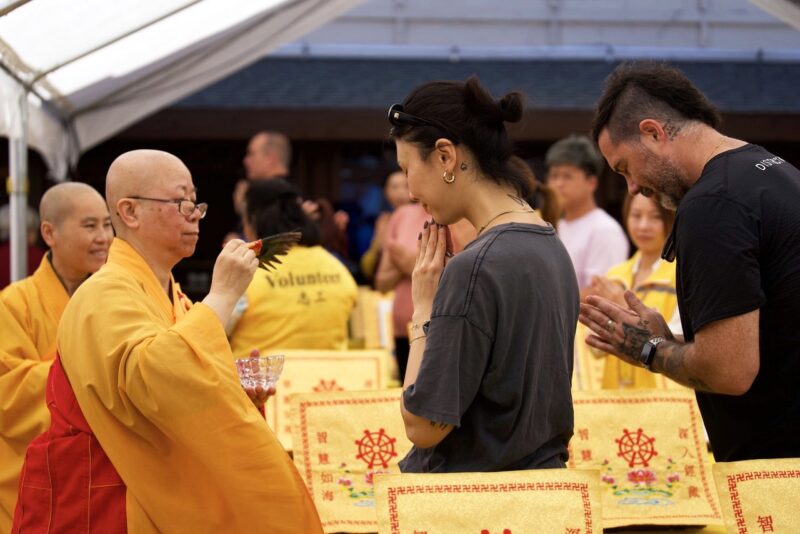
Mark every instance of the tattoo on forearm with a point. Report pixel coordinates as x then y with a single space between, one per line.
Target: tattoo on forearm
634 340
442 426
517 199
670 360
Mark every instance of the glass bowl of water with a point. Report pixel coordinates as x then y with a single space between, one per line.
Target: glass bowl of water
259 371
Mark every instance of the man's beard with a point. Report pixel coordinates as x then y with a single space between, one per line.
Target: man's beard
668 183
667 201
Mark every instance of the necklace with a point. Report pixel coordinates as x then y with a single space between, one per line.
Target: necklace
499 214
724 137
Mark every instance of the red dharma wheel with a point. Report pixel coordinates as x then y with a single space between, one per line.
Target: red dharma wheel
376 448
636 447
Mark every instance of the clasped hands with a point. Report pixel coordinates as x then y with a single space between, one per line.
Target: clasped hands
432 254
608 289
622 331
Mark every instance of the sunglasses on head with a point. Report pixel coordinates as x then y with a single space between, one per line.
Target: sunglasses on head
398 117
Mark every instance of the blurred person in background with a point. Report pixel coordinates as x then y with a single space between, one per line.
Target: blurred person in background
332 230
305 303
649 277
395 191
594 240
269 155
34 252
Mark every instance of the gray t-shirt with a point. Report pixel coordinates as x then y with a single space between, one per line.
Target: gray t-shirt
498 356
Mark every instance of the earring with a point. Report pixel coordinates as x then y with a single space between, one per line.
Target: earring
449 180
463 166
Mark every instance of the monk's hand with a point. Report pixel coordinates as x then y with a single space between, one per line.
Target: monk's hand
428 269
233 269
233 272
619 330
260 395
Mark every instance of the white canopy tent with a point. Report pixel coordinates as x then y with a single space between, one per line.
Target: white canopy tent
786 10
73 74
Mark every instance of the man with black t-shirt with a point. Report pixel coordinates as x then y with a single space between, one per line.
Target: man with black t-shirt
737 242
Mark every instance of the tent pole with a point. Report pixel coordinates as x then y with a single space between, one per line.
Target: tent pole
18 187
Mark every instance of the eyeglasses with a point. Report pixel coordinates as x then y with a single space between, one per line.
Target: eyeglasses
398 117
185 207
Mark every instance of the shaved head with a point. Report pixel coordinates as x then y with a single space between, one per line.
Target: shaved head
77 229
60 201
145 190
138 173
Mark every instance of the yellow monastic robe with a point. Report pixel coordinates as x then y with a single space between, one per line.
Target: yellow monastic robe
155 380
29 314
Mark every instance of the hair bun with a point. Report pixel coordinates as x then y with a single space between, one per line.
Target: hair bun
511 107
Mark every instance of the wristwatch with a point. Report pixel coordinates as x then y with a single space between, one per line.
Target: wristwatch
649 352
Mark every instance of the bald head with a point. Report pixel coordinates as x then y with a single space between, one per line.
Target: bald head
76 227
60 201
138 173
148 193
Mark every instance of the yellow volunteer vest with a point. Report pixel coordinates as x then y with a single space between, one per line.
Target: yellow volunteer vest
304 304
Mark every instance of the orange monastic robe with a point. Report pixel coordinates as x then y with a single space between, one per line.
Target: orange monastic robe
29 314
155 381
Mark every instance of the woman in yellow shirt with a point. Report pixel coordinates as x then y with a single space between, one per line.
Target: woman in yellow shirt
305 303
647 275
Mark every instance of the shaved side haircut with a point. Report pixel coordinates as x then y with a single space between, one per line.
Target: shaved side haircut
647 90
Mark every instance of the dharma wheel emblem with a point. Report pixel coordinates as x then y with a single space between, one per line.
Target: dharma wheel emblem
636 447
376 448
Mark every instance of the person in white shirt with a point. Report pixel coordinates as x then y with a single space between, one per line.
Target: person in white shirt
594 240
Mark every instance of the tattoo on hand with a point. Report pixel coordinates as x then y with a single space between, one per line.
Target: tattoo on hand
634 340
643 322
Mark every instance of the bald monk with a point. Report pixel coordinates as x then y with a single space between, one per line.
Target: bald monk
77 229
151 431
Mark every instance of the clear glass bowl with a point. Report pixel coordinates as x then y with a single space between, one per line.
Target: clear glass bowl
261 371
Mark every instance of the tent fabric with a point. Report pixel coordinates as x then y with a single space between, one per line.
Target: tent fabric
786 10
94 67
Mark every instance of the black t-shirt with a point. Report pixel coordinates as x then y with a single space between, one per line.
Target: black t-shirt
498 356
737 240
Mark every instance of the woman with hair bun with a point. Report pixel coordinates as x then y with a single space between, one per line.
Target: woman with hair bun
488 381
